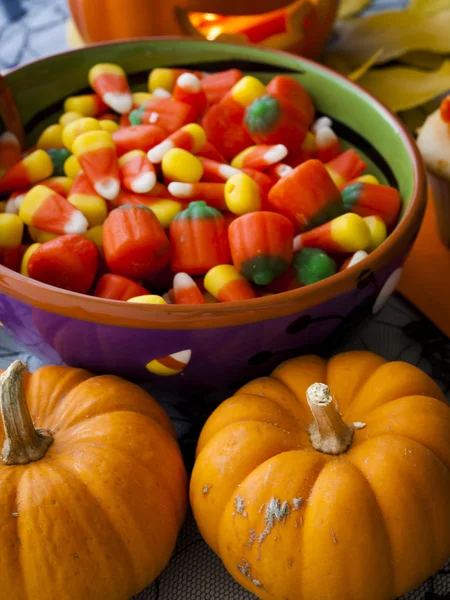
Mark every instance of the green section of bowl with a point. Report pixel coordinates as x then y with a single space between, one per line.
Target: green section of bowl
48 82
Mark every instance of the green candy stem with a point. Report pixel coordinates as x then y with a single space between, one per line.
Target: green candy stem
312 265
59 157
199 210
135 117
351 194
262 114
263 269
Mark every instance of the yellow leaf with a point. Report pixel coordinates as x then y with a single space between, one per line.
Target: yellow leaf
429 6
362 70
396 32
403 88
422 60
348 8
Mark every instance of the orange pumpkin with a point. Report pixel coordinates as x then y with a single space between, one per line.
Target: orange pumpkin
90 503
303 27
303 504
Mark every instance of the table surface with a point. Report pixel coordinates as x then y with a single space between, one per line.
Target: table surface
399 332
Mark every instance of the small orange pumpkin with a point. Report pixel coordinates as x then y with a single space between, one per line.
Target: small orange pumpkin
303 504
91 503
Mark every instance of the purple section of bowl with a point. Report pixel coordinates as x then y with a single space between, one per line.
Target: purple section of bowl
219 357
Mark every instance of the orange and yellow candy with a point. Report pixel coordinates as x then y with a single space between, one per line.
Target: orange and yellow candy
96 154
110 83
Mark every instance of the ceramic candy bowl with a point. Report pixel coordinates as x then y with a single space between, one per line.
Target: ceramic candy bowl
214 345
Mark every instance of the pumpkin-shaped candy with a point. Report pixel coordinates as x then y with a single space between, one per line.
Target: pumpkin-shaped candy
91 502
301 503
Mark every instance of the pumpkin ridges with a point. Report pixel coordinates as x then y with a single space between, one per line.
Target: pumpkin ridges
78 523
336 534
424 491
106 393
9 548
297 375
274 498
347 373
229 457
395 417
248 407
134 504
391 381
141 436
277 391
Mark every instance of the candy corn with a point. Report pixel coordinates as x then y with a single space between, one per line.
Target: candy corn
89 105
217 85
45 209
26 258
354 260
69 117
216 172
10 153
11 230
14 202
212 193
367 199
312 265
259 157
211 152
51 137
170 365
328 144
95 234
279 171
60 185
185 290
344 234
307 151
72 167
191 137
245 91
110 83
95 151
378 231
165 78
108 125
307 196
148 299
31 169
116 287
84 197
188 89
180 165
226 284
242 194
37 235
69 262
164 209
137 172
140 137
77 128
345 167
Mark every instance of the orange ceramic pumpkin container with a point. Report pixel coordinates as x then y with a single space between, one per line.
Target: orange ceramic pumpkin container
301 26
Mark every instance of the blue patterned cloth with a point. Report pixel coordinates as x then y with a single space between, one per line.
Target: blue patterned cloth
397 333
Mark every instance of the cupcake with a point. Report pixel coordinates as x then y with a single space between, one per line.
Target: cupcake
434 144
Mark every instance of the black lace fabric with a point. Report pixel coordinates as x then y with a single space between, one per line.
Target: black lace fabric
30 29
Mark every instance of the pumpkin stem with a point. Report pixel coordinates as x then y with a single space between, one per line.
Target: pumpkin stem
23 443
328 433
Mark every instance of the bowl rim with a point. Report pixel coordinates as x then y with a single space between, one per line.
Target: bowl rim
215 315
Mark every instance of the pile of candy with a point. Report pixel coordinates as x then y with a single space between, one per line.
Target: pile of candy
210 187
